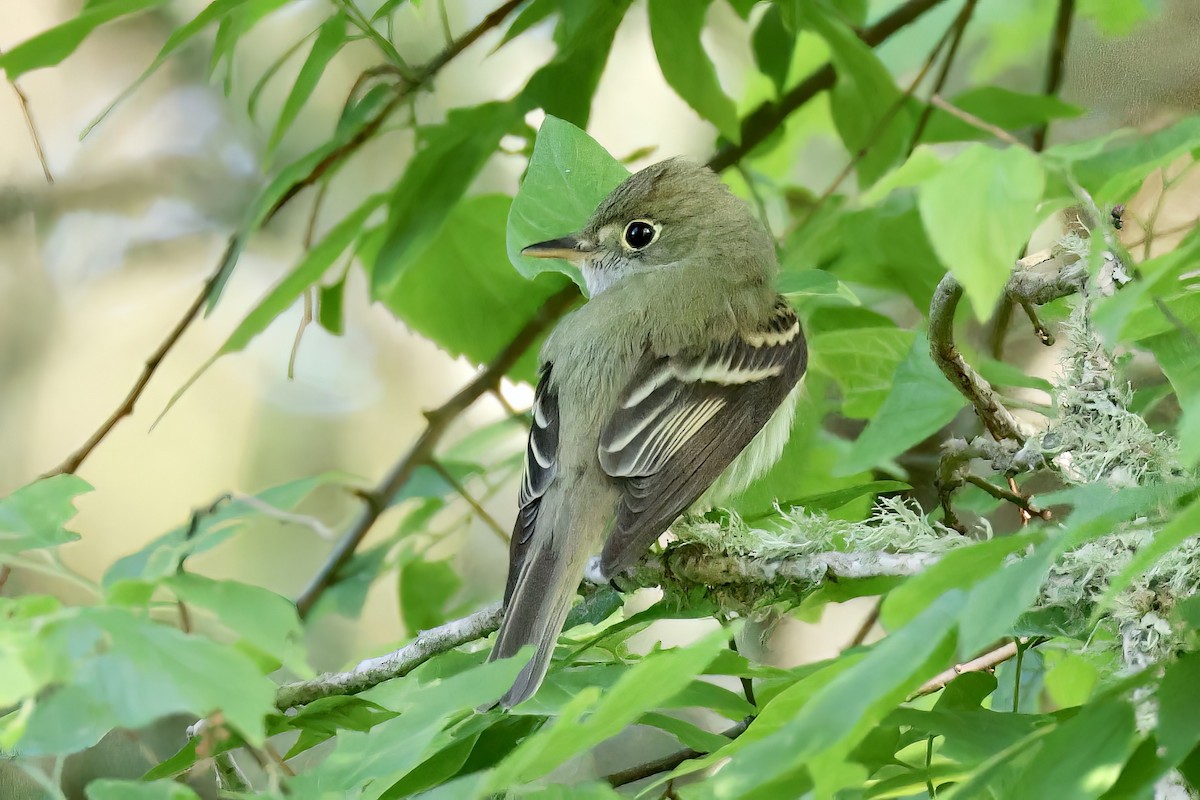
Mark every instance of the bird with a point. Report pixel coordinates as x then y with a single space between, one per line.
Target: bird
672 387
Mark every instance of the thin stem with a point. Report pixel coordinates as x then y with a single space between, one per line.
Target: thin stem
929 787
959 27
23 102
1001 493
668 762
479 510
1055 65
747 683
1016 703
306 318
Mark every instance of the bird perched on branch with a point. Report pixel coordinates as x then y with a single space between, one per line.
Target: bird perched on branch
674 381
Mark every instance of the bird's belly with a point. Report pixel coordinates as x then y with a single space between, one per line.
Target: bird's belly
758 457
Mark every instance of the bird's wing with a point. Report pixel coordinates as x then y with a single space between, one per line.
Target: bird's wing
683 419
541 464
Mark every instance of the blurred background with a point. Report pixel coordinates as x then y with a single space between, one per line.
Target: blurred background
97 267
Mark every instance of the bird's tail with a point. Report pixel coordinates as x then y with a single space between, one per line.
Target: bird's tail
541 593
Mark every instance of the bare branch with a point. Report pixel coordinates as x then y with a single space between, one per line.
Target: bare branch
375 671
479 510
23 102
984 663
670 761
1055 64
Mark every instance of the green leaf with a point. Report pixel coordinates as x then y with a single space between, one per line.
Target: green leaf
957 569
830 501
435 180
863 363
689 735
34 515
265 621
425 589
533 13
813 283
1114 174
919 404
1001 107
110 789
330 307
569 174
871 113
1178 695
1117 17
146 671
841 712
163 556
330 39
381 756
564 88
773 44
675 29
51 47
1083 757
979 211
652 681
180 36
464 294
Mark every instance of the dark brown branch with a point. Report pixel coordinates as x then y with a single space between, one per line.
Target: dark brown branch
422 451
669 761
767 118
1055 68
319 171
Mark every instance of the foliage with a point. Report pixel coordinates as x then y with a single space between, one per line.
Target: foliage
1095 594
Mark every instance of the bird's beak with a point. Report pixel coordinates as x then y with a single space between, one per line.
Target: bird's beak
571 248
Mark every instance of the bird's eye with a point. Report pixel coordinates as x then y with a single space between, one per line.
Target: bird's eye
640 234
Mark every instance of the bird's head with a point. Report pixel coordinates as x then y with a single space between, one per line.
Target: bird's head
672 215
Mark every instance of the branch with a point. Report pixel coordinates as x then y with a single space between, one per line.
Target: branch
422 451
375 671
1024 287
23 102
72 463
984 663
670 761
687 564
765 119
960 27
1054 67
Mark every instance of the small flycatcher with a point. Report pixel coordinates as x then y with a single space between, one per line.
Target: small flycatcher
674 380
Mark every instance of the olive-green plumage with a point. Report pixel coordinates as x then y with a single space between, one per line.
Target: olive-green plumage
657 388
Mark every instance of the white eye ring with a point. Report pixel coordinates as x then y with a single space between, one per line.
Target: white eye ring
633 238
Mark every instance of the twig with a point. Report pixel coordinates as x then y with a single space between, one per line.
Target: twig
422 450
1057 61
984 663
479 510
960 26
306 318
670 761
747 683
1016 499
23 102
375 671
765 119
72 463
1043 333
275 513
868 624
974 121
